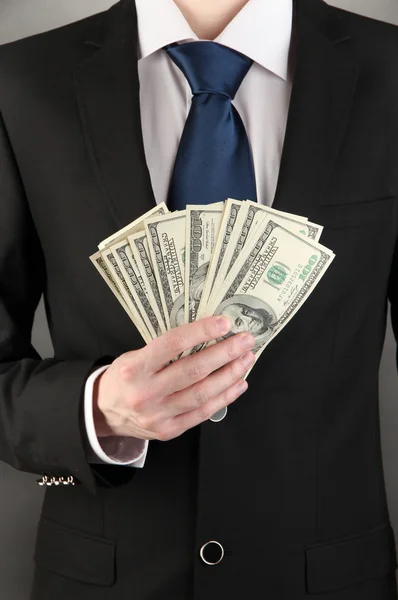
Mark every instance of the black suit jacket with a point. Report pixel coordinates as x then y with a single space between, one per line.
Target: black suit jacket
291 481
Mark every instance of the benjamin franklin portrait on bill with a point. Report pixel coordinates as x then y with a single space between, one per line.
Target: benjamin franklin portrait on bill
247 313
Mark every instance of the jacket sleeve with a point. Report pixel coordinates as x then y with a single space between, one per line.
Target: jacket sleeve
41 401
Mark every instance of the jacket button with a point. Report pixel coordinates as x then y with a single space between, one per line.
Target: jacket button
212 553
219 415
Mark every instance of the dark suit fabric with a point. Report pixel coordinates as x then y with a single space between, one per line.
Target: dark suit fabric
291 481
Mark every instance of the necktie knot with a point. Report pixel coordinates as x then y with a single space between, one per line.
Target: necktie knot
210 67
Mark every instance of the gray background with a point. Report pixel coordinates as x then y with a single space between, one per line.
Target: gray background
20 497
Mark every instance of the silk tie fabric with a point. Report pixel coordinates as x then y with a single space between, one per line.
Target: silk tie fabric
214 160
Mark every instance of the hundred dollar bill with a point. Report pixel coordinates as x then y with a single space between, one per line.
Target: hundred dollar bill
295 223
128 266
251 217
270 282
166 240
113 270
128 297
140 249
137 225
202 227
226 233
248 219
103 270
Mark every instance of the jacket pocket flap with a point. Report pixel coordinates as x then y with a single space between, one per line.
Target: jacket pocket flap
348 561
357 214
75 554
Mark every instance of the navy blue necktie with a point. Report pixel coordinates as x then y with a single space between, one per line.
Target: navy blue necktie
214 160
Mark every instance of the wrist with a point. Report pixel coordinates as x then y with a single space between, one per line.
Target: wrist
102 428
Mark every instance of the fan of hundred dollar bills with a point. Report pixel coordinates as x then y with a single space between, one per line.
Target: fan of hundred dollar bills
249 262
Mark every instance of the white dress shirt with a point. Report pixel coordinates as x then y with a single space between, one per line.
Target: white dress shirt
261 31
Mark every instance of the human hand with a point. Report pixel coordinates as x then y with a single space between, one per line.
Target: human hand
143 396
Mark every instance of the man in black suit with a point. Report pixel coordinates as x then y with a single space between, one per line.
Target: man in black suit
284 497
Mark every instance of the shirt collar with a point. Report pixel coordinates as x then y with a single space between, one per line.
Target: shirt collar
261 30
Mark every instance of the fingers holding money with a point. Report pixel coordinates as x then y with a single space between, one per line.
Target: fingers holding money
223 386
165 348
194 405
185 373
137 396
185 421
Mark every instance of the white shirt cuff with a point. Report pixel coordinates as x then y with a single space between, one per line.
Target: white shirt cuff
113 450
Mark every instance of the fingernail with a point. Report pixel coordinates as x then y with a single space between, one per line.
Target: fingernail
248 359
241 387
248 340
223 324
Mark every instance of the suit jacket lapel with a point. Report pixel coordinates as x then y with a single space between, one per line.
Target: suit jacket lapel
324 82
107 88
